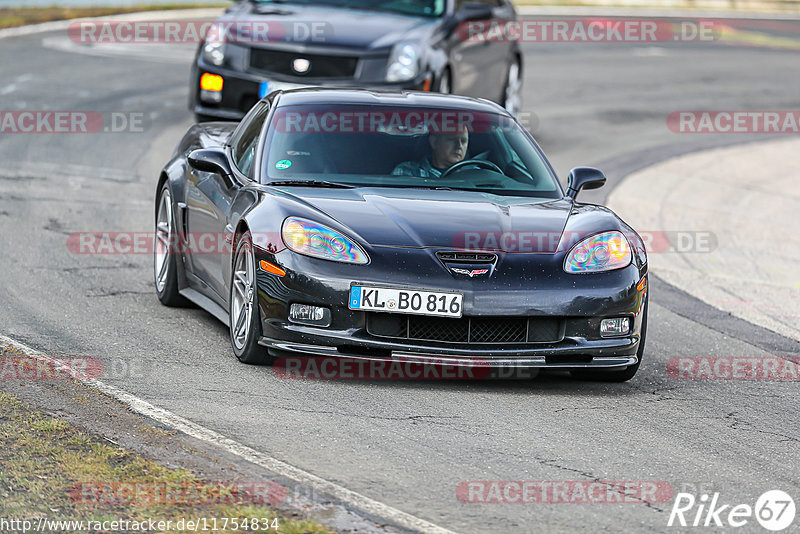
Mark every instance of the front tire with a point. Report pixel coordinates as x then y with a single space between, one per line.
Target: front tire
618 376
165 263
245 318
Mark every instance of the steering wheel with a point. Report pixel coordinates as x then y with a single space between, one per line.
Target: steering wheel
473 162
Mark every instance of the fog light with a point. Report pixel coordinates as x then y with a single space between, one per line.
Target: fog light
617 326
211 82
209 96
211 87
310 315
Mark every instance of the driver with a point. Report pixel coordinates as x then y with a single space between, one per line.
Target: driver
447 149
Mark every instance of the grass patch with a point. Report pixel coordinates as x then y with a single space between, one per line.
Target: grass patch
20 16
43 460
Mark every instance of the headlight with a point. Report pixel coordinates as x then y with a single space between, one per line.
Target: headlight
602 252
214 45
404 62
214 52
319 241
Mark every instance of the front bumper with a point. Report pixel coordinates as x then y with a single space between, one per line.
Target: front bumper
578 302
578 356
241 90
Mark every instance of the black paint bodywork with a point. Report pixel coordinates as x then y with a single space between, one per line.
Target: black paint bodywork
402 245
476 69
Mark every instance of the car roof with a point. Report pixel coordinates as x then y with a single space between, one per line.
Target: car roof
327 95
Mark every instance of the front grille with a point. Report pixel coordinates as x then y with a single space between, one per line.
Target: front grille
472 257
544 330
498 330
466 329
438 328
321 66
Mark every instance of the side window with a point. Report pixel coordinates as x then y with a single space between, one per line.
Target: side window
246 141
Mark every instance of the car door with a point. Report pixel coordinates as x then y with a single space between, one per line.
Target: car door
480 58
208 207
501 51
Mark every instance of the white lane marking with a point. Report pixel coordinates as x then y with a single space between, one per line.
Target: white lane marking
344 495
650 51
631 11
14 85
155 52
62 25
74 170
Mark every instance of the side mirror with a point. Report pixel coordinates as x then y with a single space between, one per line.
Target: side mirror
474 11
210 160
584 178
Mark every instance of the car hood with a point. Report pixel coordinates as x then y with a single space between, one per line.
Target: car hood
331 26
447 219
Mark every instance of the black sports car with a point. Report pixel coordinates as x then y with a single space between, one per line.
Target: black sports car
344 222
448 46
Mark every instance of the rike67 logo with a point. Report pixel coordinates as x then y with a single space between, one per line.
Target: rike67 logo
774 510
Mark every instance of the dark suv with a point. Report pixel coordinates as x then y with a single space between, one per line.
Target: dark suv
449 46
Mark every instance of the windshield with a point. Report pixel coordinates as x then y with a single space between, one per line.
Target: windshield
403 146
425 8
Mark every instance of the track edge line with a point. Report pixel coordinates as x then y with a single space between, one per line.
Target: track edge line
197 431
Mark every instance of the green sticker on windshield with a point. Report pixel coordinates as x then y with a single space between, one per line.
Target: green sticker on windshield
283 164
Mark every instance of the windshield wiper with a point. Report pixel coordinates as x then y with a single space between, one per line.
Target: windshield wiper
310 183
434 187
413 186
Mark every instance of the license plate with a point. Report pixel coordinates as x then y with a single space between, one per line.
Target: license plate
393 300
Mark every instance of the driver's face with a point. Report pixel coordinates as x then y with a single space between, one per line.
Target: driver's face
449 149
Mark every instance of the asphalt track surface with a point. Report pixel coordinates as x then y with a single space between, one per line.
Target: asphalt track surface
406 444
